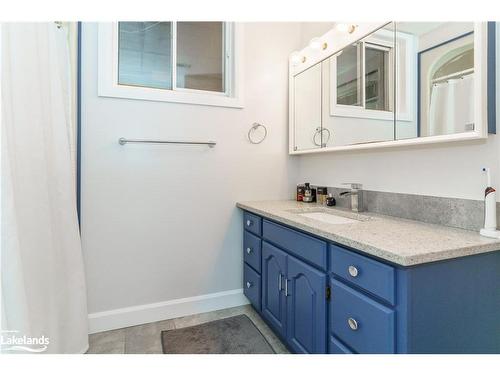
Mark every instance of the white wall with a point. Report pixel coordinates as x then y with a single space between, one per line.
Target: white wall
444 170
159 222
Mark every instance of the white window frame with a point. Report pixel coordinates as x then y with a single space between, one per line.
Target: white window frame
108 85
360 111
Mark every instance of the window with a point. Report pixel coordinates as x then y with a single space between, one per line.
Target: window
145 54
201 56
377 77
361 80
186 62
349 76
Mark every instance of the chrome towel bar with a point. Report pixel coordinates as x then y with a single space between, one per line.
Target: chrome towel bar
124 141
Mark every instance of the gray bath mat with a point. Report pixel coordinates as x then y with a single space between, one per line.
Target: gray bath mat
234 335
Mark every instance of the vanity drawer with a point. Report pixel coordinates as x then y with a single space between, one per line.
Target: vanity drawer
366 273
306 247
251 286
252 250
363 324
336 347
253 223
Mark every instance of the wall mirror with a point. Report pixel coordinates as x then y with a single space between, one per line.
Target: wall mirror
358 91
307 108
438 89
390 84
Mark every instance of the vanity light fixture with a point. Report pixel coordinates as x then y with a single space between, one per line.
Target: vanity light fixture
295 58
316 44
345 27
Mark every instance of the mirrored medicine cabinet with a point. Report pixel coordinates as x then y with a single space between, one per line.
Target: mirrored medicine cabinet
392 84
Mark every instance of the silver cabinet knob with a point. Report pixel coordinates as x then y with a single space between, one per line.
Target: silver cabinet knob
353 324
353 271
249 250
249 284
249 222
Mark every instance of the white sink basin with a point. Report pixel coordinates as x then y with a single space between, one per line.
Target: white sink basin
328 218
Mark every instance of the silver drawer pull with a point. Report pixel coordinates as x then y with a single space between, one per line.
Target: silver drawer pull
353 324
249 223
286 288
249 284
353 271
279 281
249 250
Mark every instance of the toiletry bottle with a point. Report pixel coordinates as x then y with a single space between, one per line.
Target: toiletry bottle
300 193
330 200
313 193
490 212
308 194
321 195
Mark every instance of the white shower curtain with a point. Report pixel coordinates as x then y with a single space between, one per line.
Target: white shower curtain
42 275
452 106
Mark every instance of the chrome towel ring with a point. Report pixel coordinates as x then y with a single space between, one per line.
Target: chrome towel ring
251 131
320 131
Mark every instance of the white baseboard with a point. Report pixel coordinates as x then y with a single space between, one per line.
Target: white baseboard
134 315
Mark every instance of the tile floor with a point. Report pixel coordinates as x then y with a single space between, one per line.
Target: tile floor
145 338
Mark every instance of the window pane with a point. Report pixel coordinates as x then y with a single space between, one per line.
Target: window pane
145 54
376 79
200 61
348 76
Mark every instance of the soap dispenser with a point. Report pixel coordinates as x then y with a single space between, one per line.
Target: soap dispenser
308 195
490 209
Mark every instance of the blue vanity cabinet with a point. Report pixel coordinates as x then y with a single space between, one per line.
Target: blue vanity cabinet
451 306
274 262
303 246
448 306
359 321
336 347
252 247
294 300
306 307
293 291
323 297
252 286
252 223
371 276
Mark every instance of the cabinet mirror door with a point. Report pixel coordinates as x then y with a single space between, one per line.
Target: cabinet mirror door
307 109
437 79
359 92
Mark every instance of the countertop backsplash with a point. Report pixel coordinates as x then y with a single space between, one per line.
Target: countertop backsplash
453 212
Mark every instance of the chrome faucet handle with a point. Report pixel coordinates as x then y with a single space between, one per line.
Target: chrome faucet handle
354 185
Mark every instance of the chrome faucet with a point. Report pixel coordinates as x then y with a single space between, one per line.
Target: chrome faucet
356 195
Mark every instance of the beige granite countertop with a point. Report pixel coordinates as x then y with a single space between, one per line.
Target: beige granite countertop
400 241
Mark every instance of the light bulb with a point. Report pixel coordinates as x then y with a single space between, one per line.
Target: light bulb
345 28
315 44
342 27
295 58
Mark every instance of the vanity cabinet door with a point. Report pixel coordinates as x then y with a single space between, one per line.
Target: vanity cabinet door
273 281
306 109
363 324
306 307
